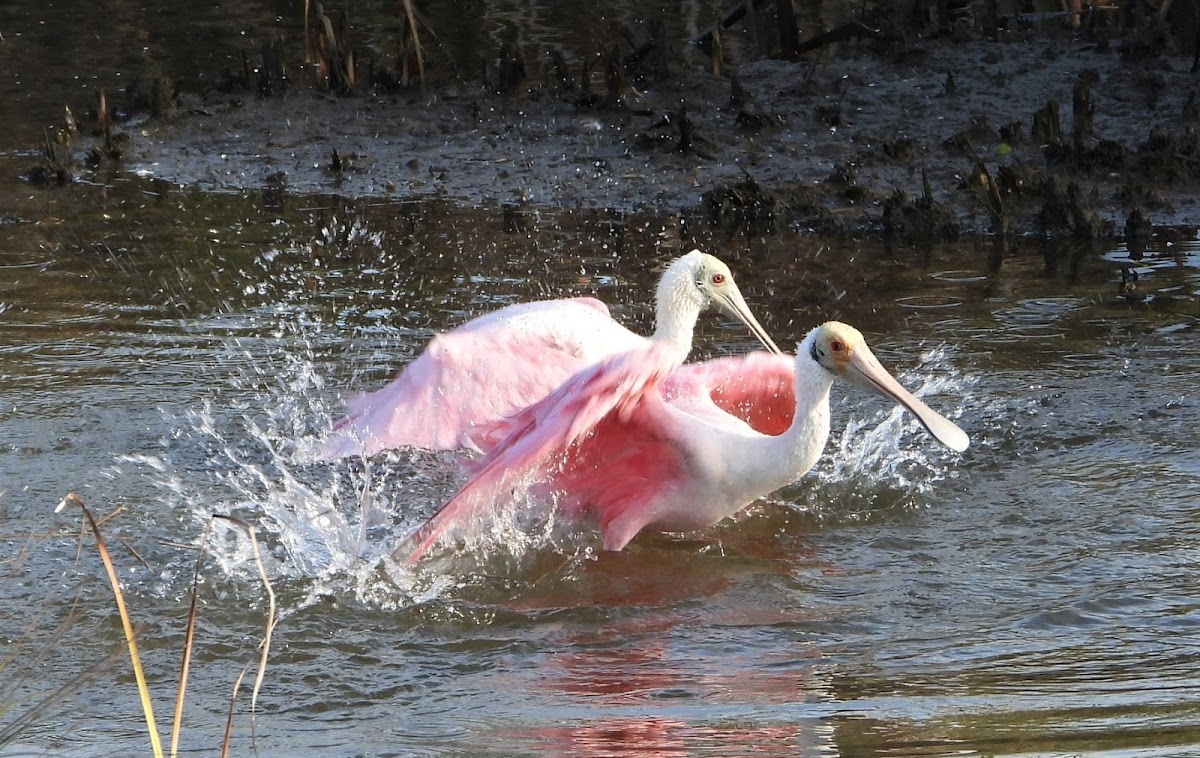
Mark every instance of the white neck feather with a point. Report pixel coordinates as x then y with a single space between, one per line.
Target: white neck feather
678 302
774 462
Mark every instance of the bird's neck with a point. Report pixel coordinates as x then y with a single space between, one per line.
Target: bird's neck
778 461
676 311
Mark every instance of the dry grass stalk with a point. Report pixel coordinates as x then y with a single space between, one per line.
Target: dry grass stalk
130 638
189 638
308 55
410 44
185 666
229 716
57 535
266 643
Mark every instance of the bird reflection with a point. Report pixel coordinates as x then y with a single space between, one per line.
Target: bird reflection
673 738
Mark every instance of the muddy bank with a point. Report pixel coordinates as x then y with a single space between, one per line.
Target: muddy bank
927 140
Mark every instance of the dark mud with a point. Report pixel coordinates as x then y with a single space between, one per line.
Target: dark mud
924 140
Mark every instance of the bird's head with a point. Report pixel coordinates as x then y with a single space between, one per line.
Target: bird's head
841 349
834 344
698 280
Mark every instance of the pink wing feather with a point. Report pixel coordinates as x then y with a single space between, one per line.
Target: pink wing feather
483 371
612 464
536 437
757 388
630 465
622 469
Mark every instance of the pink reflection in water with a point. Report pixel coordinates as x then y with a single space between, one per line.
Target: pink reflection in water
671 738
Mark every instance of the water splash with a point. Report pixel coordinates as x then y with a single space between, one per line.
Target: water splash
886 458
325 529
328 529
333 524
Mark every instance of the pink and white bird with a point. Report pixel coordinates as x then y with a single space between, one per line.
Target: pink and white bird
498 364
635 443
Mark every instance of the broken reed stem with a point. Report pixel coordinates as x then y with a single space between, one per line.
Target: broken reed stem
56 535
307 36
229 716
187 646
266 644
130 638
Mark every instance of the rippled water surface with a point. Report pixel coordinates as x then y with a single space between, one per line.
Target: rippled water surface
165 353
161 354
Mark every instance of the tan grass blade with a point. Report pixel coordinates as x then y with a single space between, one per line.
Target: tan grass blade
135 659
266 643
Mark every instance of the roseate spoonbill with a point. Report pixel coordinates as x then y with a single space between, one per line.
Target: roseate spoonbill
637 443
494 366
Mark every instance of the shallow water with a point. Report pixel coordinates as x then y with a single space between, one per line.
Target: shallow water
162 351
1036 595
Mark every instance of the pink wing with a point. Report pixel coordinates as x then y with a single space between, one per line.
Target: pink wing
618 465
536 438
631 470
757 388
620 472
485 370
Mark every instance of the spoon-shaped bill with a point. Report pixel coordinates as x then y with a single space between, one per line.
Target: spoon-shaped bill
865 370
731 301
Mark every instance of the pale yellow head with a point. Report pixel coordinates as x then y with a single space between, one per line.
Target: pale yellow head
834 345
840 348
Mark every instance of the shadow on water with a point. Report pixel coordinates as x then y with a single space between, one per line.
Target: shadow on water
165 351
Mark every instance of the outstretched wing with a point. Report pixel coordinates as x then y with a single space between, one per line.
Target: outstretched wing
536 439
483 371
635 470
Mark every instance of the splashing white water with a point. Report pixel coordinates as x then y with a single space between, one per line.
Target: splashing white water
329 527
886 455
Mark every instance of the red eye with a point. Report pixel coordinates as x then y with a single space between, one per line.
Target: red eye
837 346
718 278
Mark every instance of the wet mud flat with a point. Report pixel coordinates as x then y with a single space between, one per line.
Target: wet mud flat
1037 130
